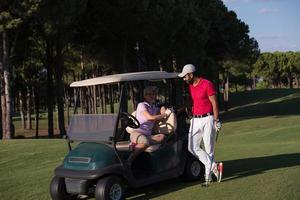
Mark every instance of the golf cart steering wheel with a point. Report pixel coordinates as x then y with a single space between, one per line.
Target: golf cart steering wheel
132 121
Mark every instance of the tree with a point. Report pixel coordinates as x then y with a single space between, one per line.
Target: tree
12 15
278 68
294 61
81 39
57 19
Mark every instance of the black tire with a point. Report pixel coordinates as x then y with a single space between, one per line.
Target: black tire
109 188
194 169
58 190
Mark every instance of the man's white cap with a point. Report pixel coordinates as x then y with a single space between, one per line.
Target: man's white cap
189 68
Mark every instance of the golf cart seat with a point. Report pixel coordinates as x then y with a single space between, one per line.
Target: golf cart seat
166 126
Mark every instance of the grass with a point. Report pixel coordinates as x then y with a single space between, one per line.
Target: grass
259 148
26 167
261 161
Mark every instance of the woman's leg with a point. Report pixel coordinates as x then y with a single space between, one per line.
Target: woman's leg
157 139
138 149
142 143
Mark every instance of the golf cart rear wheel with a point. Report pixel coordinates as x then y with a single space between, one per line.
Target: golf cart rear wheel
58 190
194 169
109 188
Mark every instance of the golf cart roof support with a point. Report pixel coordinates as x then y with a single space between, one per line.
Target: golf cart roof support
114 139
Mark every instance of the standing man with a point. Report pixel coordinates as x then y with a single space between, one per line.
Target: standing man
205 122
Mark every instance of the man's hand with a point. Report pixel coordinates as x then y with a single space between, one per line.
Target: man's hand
217 125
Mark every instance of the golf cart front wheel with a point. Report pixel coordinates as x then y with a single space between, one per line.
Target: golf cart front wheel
194 169
58 190
109 188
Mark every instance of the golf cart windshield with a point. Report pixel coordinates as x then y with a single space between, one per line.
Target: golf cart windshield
92 127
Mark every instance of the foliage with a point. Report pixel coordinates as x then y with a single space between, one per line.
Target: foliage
13 13
60 41
277 67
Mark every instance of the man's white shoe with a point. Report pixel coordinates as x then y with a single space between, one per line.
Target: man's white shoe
216 171
220 169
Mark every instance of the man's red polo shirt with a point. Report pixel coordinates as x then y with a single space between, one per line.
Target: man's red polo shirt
200 94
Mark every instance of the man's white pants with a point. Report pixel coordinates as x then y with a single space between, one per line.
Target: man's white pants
203 128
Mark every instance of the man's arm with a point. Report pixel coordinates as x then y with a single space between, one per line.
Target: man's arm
214 103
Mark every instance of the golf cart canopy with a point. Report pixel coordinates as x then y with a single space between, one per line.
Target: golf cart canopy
116 78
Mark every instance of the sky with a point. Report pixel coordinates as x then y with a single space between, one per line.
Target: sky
275 24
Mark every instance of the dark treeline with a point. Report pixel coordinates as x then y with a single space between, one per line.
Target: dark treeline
46 44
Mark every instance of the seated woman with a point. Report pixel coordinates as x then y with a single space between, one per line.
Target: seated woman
147 113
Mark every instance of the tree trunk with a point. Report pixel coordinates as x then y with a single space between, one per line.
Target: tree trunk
95 99
60 86
3 114
297 80
141 60
28 105
124 65
226 91
3 109
7 125
21 108
36 104
290 79
88 100
81 100
111 101
1 86
68 102
8 120
103 102
253 82
91 100
1 133
174 64
50 95
133 96
74 92
217 86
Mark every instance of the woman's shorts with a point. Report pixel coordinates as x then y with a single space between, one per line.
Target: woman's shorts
140 138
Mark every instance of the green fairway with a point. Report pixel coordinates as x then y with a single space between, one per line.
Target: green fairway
259 145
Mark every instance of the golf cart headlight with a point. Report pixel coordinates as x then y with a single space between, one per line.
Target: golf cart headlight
84 160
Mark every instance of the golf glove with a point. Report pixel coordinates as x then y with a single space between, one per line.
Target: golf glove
168 112
218 125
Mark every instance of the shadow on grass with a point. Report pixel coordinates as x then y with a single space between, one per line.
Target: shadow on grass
283 107
234 169
261 96
159 189
55 136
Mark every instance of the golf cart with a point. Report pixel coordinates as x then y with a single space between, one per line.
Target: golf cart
96 165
